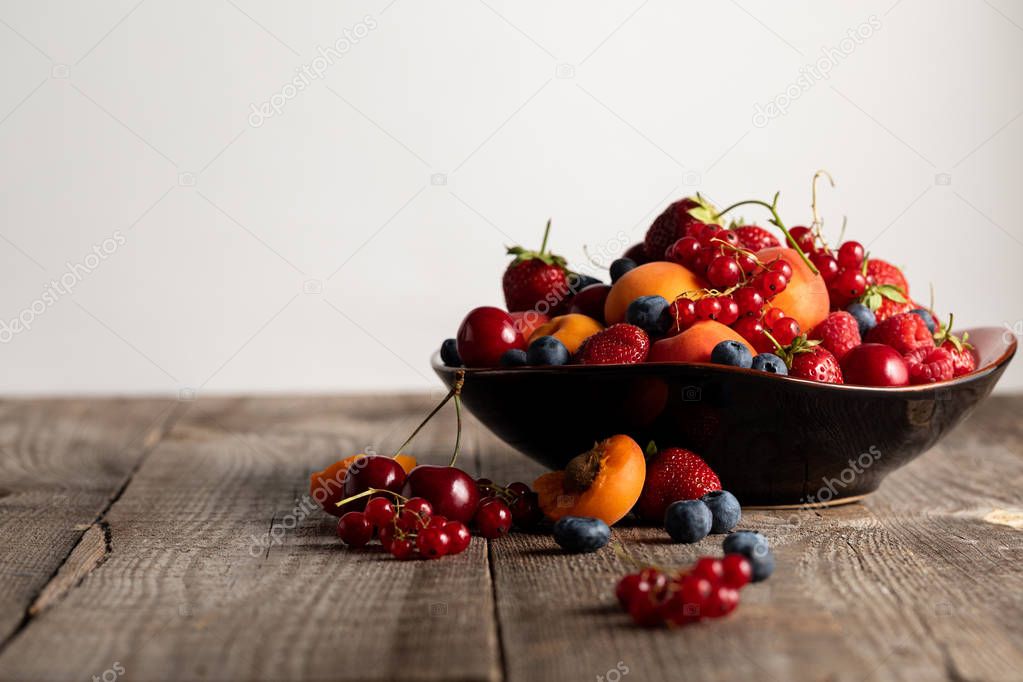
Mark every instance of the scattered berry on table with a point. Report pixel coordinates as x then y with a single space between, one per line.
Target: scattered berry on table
619 344
649 313
620 267
770 363
755 548
732 353
547 350
494 519
355 529
738 571
688 521
433 542
724 509
581 534
674 474
449 353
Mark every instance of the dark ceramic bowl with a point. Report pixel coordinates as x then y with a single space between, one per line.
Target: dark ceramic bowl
772 440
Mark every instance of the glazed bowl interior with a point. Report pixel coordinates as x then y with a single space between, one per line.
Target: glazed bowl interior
772 440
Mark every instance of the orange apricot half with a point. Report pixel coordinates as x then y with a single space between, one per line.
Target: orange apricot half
571 330
603 483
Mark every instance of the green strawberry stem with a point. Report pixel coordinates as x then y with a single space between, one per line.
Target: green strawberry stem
546 233
777 222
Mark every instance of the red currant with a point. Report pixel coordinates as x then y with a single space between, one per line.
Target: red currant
781 266
525 509
419 506
750 301
738 571
409 521
804 237
648 580
723 272
402 548
645 610
684 251
785 330
436 522
772 315
710 568
355 529
494 519
708 308
458 535
695 590
729 311
770 283
433 543
827 265
722 601
684 312
386 535
519 488
747 263
750 328
728 237
848 285
379 511
850 255
708 233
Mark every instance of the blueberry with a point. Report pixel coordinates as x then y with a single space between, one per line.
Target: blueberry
865 317
732 353
578 282
581 534
928 319
620 267
547 350
754 547
688 521
770 363
725 510
514 357
449 353
649 313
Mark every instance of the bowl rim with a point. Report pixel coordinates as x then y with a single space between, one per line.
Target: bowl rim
1007 355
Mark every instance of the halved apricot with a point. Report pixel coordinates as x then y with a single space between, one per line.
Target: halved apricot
327 486
571 330
603 483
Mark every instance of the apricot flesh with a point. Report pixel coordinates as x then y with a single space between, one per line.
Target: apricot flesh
806 298
660 278
695 344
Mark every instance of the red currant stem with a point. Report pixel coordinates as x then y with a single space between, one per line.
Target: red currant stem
777 222
546 233
367 493
455 390
813 202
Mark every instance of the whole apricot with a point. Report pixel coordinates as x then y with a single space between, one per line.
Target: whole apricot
603 483
695 344
659 278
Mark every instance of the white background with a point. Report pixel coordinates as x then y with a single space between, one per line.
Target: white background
334 246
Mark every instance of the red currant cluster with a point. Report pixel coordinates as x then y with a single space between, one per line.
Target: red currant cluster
516 503
406 528
742 285
844 271
709 589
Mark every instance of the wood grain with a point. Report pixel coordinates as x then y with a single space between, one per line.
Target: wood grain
61 464
216 570
220 567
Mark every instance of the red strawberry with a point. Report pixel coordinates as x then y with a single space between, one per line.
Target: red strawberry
905 333
619 344
674 474
839 333
817 364
754 238
930 365
670 226
535 277
961 350
883 272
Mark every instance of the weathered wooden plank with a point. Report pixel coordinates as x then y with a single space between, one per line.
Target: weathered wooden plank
61 464
220 568
911 585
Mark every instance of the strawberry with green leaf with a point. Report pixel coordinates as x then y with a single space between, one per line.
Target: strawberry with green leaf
963 356
535 277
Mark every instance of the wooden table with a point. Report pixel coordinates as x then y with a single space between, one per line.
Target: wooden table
151 539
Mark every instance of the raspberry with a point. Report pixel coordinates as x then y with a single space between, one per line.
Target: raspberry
905 333
930 365
839 333
755 238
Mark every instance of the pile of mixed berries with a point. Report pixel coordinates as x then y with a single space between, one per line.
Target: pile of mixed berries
703 289
708 589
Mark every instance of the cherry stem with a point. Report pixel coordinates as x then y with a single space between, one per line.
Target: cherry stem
777 222
458 432
455 391
546 233
367 493
813 203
